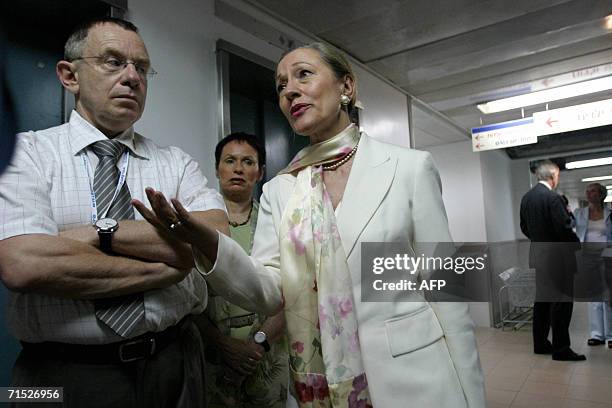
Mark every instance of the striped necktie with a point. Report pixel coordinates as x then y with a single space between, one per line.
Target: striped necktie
123 314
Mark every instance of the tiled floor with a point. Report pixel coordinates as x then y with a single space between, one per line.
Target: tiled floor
517 378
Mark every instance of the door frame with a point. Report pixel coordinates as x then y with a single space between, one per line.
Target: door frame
223 49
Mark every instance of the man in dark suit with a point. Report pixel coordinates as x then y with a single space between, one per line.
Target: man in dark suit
545 221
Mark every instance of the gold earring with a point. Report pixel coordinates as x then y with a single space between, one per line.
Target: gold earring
344 99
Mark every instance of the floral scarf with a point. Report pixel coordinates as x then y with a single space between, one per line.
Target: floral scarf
325 357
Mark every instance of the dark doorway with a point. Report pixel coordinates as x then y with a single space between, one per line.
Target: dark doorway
35 32
253 108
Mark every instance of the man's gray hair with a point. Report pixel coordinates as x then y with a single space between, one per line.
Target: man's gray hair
73 49
545 170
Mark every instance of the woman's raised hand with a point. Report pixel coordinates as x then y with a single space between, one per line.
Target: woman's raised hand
200 228
170 220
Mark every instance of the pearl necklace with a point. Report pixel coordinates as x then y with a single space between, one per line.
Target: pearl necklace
341 161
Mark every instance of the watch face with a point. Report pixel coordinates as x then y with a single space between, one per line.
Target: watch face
106 224
259 337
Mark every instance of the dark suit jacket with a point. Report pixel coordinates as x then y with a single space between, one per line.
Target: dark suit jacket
544 217
545 221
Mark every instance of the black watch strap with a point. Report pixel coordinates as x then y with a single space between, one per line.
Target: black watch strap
106 241
265 345
261 339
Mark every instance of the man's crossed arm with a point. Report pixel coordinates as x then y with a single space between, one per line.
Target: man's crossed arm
71 265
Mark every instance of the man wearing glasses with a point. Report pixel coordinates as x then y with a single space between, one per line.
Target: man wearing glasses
99 299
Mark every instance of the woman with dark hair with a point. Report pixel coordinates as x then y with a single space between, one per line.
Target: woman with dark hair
594 228
343 189
242 372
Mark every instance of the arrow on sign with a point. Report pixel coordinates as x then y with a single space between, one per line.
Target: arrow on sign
550 121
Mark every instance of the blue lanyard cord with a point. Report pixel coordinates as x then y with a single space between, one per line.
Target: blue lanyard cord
120 182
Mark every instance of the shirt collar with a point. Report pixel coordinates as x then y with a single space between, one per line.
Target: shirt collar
545 183
83 134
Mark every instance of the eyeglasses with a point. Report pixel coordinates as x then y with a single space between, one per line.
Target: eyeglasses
113 65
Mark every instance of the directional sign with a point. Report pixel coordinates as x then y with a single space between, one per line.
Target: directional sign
571 77
573 118
526 87
502 135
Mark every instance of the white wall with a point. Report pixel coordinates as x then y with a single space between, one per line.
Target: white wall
501 214
182 105
462 190
183 102
482 192
520 185
386 109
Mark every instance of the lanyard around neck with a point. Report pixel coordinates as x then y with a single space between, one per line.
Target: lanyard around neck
120 182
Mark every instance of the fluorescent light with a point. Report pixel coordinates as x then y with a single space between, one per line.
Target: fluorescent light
609 187
608 199
579 164
597 178
547 95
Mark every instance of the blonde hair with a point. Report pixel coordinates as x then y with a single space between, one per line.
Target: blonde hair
337 62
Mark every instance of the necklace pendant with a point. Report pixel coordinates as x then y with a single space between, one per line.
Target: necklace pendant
239 224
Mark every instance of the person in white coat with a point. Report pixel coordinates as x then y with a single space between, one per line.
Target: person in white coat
594 228
344 189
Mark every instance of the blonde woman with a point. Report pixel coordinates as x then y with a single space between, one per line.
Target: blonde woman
343 189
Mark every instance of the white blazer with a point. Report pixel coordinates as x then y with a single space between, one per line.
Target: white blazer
416 354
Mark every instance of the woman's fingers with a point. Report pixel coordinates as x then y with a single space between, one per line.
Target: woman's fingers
162 208
239 366
144 211
147 214
241 370
156 203
168 218
248 369
254 355
183 214
249 364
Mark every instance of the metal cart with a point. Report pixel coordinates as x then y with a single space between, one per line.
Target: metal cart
518 293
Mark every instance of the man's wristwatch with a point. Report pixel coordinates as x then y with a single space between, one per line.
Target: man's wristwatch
106 227
261 339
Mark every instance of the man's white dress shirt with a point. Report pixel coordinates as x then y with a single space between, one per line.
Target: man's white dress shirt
46 190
